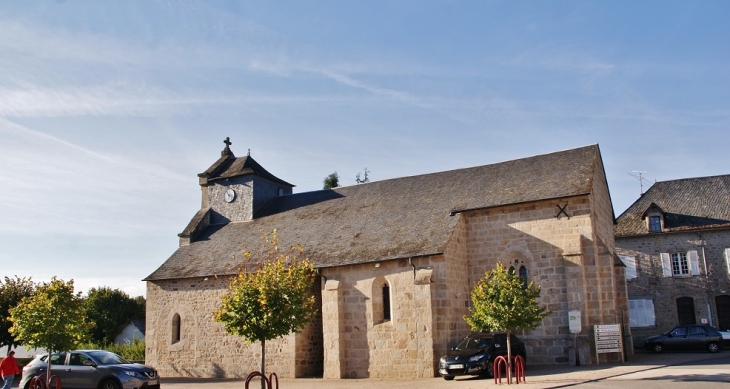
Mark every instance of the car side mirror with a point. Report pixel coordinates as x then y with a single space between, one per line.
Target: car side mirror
89 362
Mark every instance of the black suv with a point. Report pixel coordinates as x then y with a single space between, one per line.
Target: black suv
475 355
686 337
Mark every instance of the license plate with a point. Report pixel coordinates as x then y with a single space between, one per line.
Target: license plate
153 382
453 367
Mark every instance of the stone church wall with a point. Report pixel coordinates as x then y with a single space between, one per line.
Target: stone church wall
360 342
561 254
205 349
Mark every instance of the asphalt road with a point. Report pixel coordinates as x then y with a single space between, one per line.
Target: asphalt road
704 374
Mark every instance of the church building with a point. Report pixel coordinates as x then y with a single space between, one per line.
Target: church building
396 262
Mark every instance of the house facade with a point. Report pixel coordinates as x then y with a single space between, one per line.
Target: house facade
675 242
397 260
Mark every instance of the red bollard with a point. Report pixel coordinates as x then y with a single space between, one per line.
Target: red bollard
498 362
39 382
519 364
269 382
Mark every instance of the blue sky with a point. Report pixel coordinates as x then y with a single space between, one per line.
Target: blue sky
109 110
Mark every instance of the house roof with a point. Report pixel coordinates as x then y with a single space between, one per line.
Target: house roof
687 204
395 218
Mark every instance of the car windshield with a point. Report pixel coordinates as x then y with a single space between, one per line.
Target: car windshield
474 343
107 358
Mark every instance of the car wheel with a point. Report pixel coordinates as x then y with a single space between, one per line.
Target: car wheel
489 371
448 377
713 347
110 384
657 348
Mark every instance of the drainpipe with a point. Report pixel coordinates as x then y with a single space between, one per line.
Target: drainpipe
707 281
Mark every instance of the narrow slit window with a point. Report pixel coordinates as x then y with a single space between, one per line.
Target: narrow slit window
386 302
175 328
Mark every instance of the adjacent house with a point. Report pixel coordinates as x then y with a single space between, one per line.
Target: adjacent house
397 260
133 330
675 242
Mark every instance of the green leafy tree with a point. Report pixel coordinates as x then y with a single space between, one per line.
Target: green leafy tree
11 292
502 302
270 297
331 181
110 309
53 317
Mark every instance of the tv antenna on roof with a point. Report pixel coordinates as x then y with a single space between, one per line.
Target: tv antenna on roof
639 175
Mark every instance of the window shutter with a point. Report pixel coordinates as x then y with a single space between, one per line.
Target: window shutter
694 262
727 259
630 263
666 264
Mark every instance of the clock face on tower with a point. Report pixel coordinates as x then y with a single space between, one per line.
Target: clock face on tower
230 195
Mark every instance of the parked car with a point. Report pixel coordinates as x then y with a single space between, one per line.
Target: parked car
92 369
475 355
686 337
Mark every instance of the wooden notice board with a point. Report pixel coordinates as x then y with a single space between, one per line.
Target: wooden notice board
608 339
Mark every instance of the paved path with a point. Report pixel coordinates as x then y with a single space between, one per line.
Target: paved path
537 376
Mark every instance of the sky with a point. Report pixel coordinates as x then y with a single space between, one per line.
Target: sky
109 110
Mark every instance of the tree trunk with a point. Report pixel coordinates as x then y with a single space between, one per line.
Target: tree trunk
509 358
48 369
263 363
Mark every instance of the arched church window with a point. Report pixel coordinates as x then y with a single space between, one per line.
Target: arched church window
175 328
523 275
511 270
386 302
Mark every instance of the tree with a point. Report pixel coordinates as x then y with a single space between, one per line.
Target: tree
53 317
270 297
110 309
502 302
331 181
11 292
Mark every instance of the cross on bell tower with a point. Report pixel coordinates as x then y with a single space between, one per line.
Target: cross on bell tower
227 151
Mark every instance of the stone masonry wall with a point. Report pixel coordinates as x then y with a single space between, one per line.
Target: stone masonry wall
664 291
252 192
555 252
359 341
205 348
452 293
241 208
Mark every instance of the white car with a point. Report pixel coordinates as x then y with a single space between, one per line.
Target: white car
725 338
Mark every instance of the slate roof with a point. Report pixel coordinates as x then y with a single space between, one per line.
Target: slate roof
396 218
228 166
688 204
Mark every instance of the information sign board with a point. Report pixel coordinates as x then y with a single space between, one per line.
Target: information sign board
608 339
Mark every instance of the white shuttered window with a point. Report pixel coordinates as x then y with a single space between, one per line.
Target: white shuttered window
630 263
680 264
641 313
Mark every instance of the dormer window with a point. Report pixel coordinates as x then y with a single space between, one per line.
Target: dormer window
654 217
655 224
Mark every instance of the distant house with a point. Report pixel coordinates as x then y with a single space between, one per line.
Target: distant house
397 260
675 243
134 330
22 352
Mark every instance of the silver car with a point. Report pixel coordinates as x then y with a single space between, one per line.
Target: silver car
92 369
